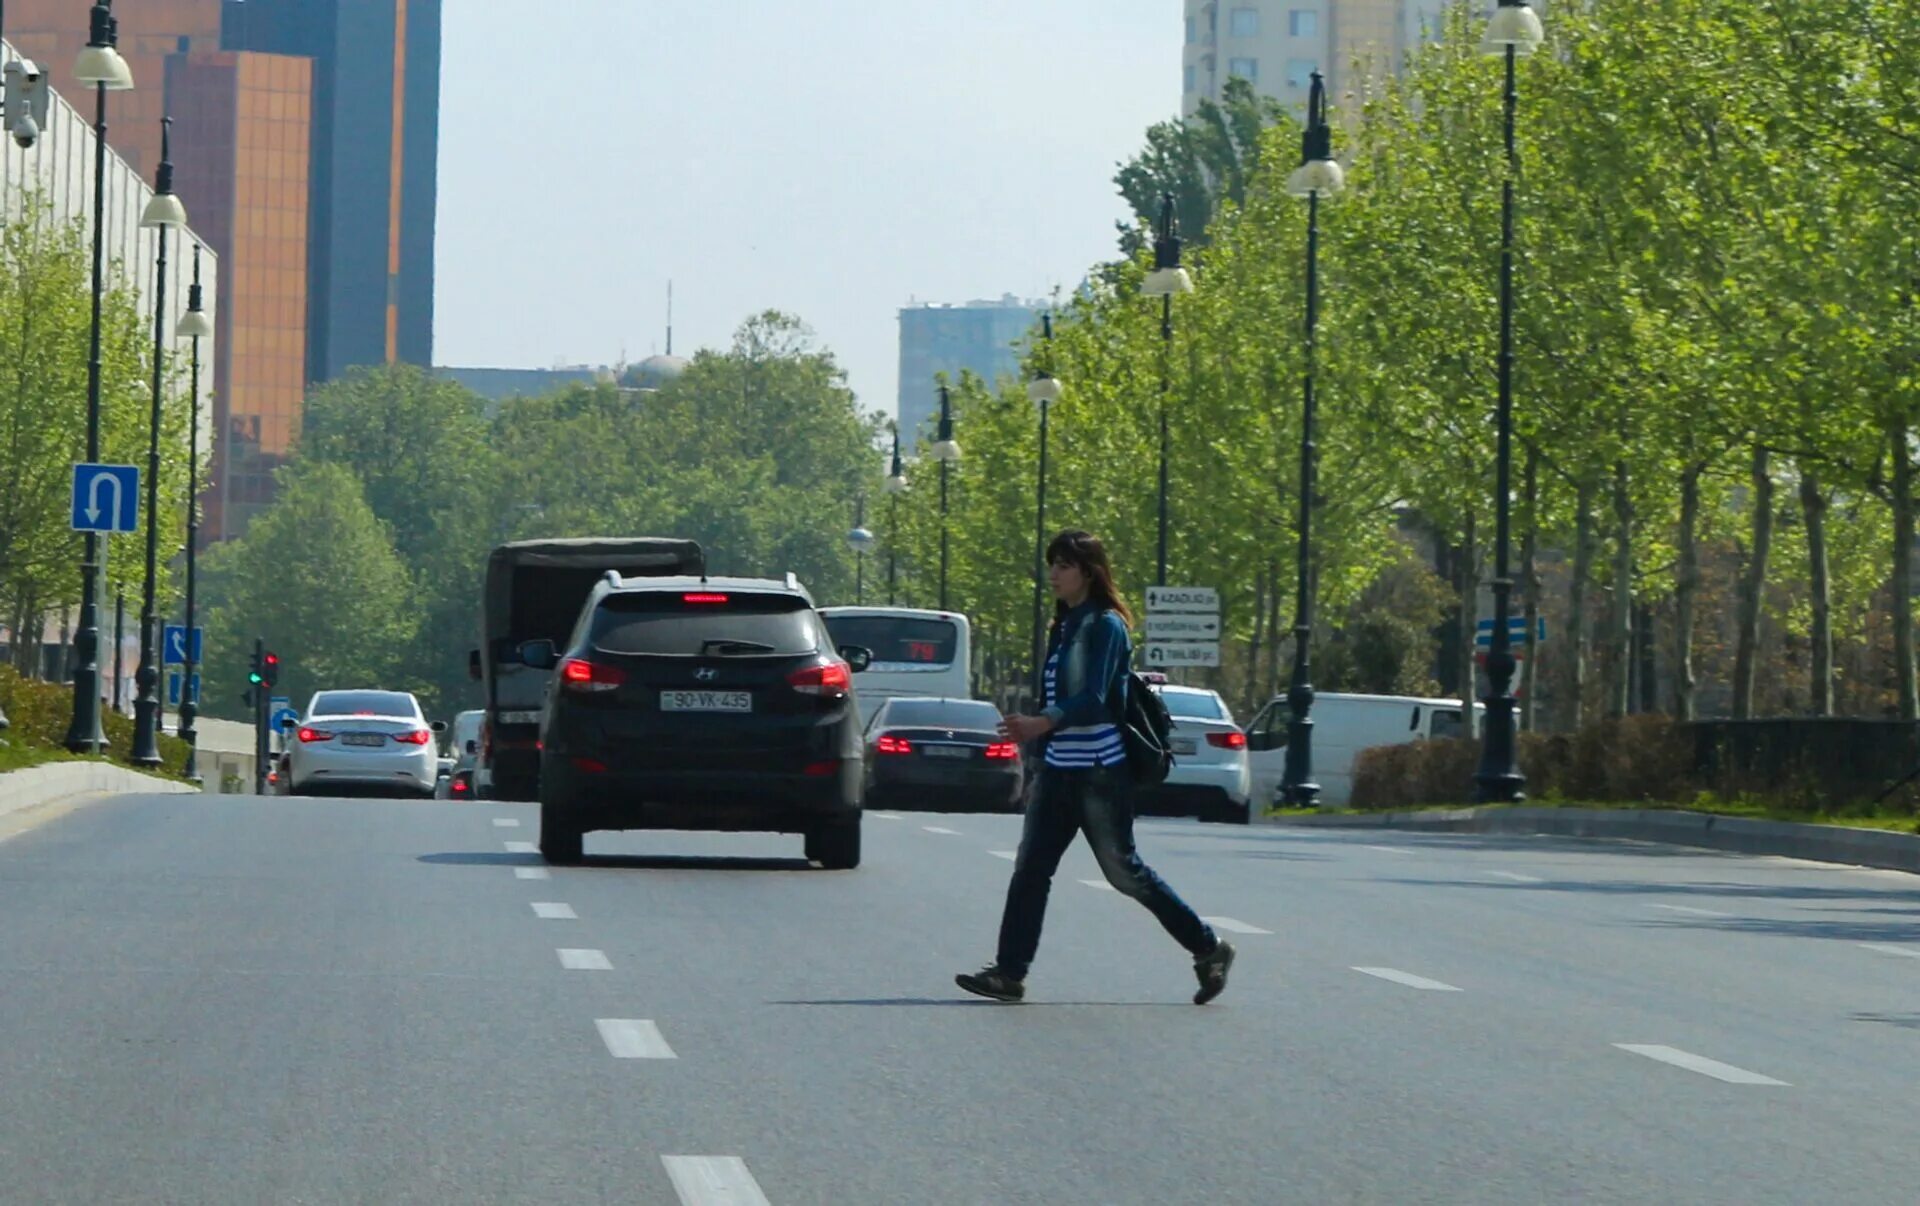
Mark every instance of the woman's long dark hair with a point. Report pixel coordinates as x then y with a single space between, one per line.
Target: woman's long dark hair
1084 551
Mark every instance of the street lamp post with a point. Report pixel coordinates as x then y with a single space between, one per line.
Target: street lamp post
1044 390
1513 31
163 213
193 325
1166 279
947 452
861 541
100 65
896 486
1318 173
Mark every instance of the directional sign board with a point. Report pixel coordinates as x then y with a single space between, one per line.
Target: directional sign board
106 498
1183 626
1516 631
173 689
1183 653
281 717
173 649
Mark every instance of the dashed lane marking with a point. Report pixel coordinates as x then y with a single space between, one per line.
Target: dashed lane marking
938 829
583 960
522 848
532 873
1234 927
1700 1064
1009 855
1099 885
713 1181
1406 978
633 1038
551 910
1690 911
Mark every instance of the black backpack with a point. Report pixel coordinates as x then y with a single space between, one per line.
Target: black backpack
1146 730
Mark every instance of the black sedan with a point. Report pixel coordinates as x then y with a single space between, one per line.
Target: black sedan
942 755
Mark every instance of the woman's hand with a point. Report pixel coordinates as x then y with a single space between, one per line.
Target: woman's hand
1022 729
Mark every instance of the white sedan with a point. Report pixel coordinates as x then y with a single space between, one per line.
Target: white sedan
1210 777
378 742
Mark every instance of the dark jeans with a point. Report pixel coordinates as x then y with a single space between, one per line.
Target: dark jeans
1099 803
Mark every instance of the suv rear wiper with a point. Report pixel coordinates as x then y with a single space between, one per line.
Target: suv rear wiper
725 645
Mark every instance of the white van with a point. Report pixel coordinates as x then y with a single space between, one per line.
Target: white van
1343 725
915 653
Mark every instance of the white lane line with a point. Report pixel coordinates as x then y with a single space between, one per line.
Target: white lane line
583 960
1700 1064
1009 855
548 910
532 873
633 1038
1406 978
505 823
522 848
937 829
1098 884
1516 877
1887 948
713 1181
1388 849
1690 910
1232 926
885 816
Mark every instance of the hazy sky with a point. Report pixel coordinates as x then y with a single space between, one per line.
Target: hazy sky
832 158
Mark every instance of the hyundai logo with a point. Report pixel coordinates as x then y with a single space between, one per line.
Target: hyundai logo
706 674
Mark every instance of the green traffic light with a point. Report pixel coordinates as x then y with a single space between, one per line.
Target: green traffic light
255 679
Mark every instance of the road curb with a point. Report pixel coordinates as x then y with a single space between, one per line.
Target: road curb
1818 843
37 785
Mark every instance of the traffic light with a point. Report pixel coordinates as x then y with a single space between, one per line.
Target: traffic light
256 669
270 669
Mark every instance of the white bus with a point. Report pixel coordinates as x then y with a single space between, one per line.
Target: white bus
915 653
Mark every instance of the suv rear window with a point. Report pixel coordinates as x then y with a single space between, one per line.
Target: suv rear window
364 703
677 623
942 714
898 638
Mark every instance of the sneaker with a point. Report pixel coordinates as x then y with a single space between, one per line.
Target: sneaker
1212 970
991 982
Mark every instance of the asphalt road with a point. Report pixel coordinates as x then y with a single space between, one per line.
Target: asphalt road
227 999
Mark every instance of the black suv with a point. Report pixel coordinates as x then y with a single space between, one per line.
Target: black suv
700 703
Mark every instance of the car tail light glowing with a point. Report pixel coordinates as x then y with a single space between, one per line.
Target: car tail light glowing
1002 751
822 770
1235 740
460 787
705 599
889 744
414 737
831 679
579 674
309 736
589 766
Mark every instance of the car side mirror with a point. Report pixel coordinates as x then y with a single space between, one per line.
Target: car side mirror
438 727
473 664
857 657
541 655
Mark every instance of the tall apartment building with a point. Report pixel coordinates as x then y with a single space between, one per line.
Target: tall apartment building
1277 45
980 336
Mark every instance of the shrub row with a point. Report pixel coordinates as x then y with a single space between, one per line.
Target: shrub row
39 713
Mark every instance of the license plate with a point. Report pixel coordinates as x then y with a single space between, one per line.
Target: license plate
363 739
1184 745
949 751
706 701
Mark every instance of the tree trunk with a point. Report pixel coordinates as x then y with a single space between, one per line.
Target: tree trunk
1620 623
1646 663
1273 630
1577 606
1686 591
1260 582
1469 580
1753 585
1530 592
1813 507
1903 568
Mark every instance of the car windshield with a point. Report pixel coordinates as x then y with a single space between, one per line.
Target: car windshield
1195 705
364 703
911 639
941 714
714 623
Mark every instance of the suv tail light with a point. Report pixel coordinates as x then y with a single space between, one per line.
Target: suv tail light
414 737
831 680
1235 740
889 744
309 736
1002 751
579 674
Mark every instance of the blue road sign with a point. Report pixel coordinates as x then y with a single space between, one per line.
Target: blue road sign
173 650
1516 631
280 718
106 498
173 689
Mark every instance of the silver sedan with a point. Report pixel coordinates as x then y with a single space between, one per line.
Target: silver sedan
377 742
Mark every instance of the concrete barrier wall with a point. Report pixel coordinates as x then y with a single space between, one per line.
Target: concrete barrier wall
30 788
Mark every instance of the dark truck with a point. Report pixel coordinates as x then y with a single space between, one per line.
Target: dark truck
534 592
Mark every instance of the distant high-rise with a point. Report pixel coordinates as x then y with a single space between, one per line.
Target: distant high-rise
1277 45
979 336
374 177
